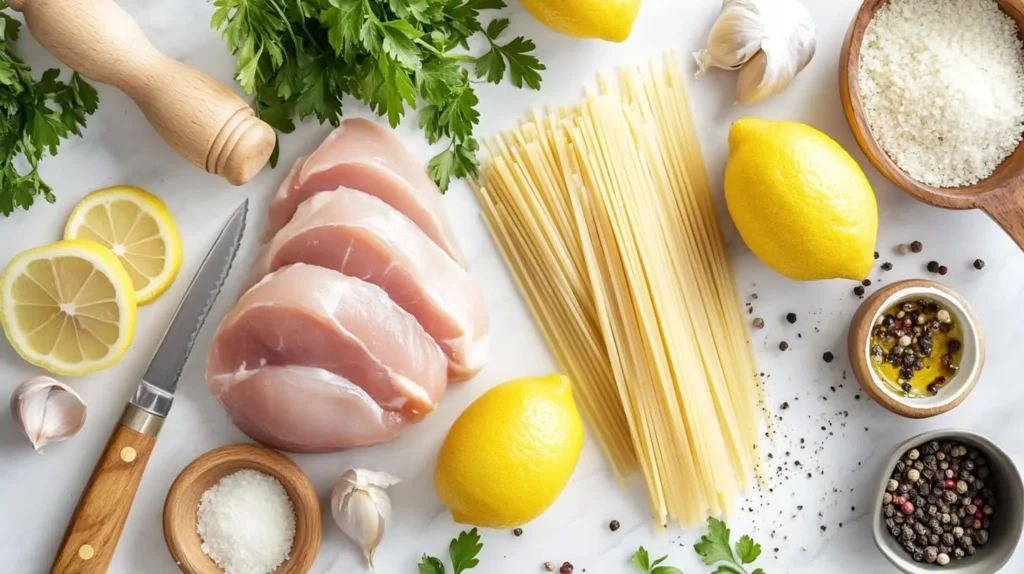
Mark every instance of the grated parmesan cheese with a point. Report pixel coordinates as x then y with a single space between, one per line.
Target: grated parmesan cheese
247 523
942 84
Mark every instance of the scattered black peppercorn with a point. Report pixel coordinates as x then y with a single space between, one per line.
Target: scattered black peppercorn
887 266
518 532
791 317
866 283
979 264
828 357
943 270
565 569
933 266
783 346
916 247
876 255
759 323
784 406
858 290
613 525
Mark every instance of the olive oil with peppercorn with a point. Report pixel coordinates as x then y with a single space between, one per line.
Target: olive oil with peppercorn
916 347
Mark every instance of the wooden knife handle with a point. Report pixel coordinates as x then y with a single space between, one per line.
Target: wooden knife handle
91 538
200 118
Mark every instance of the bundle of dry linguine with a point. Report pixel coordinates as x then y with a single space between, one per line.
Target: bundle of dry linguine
604 213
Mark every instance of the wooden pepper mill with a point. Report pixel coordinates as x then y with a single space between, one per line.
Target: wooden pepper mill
199 117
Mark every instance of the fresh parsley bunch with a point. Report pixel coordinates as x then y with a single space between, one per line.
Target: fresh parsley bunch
299 57
34 117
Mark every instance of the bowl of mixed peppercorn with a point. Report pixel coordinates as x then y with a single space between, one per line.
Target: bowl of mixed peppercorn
949 501
916 348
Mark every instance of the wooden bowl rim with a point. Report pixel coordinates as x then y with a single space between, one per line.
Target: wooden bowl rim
297 485
968 197
859 334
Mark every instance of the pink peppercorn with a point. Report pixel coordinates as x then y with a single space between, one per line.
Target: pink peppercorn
978 502
979 514
907 507
949 484
977 524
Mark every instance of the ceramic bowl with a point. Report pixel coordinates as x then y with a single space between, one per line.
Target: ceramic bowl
959 386
182 504
1007 521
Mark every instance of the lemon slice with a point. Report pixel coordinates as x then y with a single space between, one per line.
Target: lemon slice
68 307
138 228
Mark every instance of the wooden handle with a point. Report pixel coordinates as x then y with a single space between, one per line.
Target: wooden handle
200 118
96 525
1006 206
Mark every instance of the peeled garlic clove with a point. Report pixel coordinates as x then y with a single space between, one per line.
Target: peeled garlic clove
361 507
734 38
47 410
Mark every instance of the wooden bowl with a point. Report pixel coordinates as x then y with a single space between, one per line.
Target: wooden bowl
1001 196
959 386
182 504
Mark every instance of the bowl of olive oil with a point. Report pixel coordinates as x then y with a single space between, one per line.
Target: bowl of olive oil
916 348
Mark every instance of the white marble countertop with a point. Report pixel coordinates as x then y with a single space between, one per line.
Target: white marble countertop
38 492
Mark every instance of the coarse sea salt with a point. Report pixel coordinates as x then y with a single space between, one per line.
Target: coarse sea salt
247 523
942 84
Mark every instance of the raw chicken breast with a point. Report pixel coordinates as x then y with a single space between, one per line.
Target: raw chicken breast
307 316
364 156
361 236
304 409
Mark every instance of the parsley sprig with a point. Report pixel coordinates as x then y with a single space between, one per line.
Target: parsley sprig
463 552
34 117
642 563
299 57
715 549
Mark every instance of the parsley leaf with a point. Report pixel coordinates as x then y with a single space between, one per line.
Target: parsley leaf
298 58
430 565
34 117
642 563
715 549
747 549
463 552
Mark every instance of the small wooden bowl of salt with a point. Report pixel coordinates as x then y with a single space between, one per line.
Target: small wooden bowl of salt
257 510
996 186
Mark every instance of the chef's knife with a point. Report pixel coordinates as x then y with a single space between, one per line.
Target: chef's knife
96 525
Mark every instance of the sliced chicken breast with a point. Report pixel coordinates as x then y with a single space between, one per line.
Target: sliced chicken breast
304 409
361 236
307 316
362 155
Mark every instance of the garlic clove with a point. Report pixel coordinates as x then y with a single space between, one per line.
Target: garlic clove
47 411
734 38
361 507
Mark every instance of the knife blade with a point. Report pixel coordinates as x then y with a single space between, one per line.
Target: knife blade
156 390
95 527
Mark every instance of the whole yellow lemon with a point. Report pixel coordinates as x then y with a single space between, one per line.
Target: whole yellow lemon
800 201
509 455
610 20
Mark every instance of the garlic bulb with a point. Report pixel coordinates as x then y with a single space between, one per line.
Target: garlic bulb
361 507
47 410
770 41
